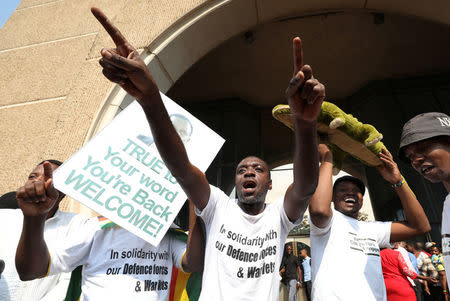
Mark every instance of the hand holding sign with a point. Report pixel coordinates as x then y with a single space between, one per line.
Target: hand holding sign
123 65
38 196
304 93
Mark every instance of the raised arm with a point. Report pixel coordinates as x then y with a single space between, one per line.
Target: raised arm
195 248
36 199
417 222
305 95
320 204
124 66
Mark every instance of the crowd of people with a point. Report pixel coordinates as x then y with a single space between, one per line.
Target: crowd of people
237 245
410 272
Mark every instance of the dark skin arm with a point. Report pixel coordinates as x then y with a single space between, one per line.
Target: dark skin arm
195 247
426 288
299 277
427 279
305 95
36 201
124 66
417 221
320 205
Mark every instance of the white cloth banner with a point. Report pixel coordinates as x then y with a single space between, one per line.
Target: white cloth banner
120 174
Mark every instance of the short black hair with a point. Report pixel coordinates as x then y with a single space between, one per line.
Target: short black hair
56 162
354 180
251 156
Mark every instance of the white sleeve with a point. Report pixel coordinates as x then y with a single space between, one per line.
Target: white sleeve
178 249
74 249
59 291
285 222
321 231
383 232
215 196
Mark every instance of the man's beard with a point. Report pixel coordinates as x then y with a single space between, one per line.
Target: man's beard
252 200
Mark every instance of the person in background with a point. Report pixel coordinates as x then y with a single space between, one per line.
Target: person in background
400 247
291 275
438 262
417 282
426 268
395 273
428 246
306 269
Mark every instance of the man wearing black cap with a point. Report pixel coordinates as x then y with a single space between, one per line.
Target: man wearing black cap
9 201
346 252
58 225
425 142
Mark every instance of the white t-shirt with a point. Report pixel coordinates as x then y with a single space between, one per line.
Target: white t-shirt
445 230
58 227
117 265
243 252
345 259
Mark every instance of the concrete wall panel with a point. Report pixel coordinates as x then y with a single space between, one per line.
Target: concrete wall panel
31 3
84 101
43 71
27 137
54 129
53 21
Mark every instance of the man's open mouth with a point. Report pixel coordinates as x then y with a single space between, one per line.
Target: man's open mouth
249 187
350 201
426 169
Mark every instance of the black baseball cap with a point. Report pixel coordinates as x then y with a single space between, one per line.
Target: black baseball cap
421 127
9 201
354 180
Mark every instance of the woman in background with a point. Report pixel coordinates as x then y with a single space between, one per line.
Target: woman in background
395 272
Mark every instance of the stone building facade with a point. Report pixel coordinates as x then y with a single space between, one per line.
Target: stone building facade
54 97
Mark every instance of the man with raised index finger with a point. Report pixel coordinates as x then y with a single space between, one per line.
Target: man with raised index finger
244 238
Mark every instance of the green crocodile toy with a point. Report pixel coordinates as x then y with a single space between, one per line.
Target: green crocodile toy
345 134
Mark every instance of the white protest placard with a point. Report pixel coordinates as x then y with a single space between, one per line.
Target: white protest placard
120 174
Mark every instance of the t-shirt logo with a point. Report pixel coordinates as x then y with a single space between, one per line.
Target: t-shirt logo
444 121
368 246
